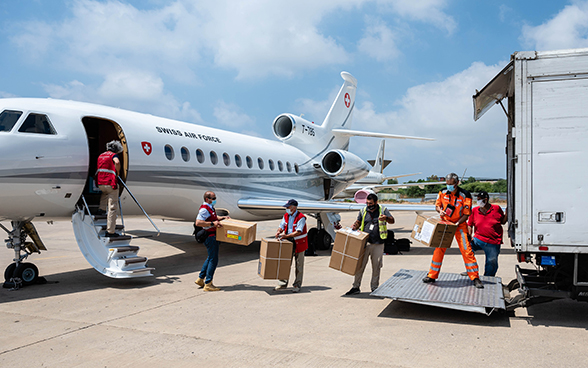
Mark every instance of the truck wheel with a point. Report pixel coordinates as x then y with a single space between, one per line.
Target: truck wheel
9 272
28 272
513 285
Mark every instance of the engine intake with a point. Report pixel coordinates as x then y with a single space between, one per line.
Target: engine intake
344 165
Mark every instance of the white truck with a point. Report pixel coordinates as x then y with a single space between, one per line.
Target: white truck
547 170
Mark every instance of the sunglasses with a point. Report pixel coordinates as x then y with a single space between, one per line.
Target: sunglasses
213 198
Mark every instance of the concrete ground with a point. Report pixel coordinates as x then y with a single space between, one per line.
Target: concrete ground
81 318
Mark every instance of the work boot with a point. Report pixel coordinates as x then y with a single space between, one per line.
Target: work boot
353 291
210 287
199 282
463 274
428 280
478 283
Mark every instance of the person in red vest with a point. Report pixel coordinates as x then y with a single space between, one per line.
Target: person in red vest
106 176
293 228
209 221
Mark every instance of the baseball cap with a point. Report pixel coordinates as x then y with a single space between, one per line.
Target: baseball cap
483 194
291 202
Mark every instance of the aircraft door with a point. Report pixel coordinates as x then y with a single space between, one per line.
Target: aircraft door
100 131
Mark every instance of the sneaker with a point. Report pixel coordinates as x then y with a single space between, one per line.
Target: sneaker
428 280
463 274
296 289
210 287
353 291
478 283
199 282
280 287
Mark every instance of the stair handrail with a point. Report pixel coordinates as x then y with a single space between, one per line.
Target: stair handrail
138 204
87 209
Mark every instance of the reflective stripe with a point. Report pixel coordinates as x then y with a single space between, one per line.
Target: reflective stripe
435 268
471 264
106 171
300 236
436 263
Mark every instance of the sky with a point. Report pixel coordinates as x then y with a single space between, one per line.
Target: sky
236 65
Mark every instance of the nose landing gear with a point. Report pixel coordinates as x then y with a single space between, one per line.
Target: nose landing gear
21 273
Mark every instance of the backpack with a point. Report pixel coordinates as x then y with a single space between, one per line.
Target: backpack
200 234
403 245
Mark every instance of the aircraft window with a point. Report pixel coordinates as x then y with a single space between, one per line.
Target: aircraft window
296 167
226 159
200 156
249 162
280 166
37 123
8 118
260 163
185 154
169 152
271 165
213 158
238 161
288 166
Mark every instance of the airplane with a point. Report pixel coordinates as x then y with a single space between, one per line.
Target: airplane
49 149
372 182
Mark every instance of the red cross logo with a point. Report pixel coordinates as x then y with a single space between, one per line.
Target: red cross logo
347 100
146 148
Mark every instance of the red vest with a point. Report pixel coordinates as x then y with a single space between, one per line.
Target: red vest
213 217
300 240
106 173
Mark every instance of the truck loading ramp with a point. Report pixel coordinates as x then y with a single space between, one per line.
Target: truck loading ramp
451 290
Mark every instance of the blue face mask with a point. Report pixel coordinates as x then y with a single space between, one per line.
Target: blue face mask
450 188
213 203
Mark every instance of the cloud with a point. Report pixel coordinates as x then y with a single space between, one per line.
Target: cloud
230 115
567 29
137 91
428 11
379 41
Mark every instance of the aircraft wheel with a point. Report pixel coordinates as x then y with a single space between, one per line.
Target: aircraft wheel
311 236
323 240
28 272
9 271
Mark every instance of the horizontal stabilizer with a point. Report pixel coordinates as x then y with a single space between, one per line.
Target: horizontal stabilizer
358 133
400 176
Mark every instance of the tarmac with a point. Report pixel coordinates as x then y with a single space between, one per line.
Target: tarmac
81 318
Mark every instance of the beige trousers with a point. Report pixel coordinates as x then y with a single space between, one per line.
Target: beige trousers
299 264
109 200
376 253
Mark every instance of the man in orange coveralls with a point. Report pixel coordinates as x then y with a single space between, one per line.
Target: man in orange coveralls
454 205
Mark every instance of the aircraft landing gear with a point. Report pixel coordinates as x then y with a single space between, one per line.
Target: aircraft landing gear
21 273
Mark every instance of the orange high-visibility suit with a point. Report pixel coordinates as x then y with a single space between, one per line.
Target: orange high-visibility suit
459 204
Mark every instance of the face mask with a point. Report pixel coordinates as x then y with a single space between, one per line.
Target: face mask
481 203
450 188
372 207
213 203
289 211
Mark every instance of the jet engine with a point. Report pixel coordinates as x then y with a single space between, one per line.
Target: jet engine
361 195
344 166
298 132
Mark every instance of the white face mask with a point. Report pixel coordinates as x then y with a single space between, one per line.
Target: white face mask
289 211
481 202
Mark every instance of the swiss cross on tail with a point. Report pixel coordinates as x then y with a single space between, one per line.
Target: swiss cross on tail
347 100
146 148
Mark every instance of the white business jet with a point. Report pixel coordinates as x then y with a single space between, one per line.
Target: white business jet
49 148
372 182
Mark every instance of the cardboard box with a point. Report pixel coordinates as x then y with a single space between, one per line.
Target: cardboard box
433 232
236 232
275 259
348 250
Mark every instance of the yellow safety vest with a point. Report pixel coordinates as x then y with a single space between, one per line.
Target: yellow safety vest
382 225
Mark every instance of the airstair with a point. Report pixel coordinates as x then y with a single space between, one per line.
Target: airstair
111 256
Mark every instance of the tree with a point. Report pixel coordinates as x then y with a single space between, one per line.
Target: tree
393 181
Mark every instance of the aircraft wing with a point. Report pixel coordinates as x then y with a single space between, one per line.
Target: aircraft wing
378 188
252 204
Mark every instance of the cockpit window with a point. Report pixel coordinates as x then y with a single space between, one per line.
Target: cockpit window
8 118
37 123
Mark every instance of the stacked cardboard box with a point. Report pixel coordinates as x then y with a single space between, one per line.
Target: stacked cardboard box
236 232
348 250
433 232
275 259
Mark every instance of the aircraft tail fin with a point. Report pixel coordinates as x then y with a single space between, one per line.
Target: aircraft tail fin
378 166
341 112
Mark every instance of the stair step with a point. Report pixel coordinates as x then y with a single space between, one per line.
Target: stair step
118 227
119 238
129 261
100 217
126 248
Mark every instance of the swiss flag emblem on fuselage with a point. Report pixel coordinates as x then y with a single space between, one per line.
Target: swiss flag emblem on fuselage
146 148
